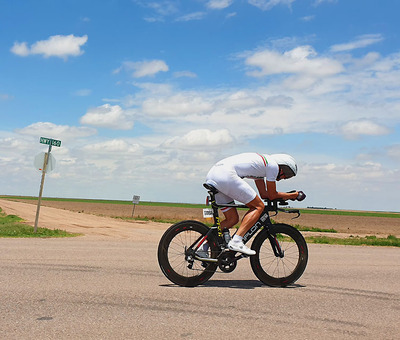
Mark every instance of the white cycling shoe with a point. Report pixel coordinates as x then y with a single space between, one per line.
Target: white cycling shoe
240 247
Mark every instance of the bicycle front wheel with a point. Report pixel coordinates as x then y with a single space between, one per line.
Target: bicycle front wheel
174 257
275 270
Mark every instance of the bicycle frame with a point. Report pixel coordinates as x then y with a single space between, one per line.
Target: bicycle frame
189 263
263 222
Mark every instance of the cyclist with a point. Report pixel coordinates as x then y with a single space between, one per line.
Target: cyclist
227 176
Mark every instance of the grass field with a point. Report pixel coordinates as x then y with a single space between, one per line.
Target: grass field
201 206
13 226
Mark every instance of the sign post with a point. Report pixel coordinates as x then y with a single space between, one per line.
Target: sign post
50 142
135 200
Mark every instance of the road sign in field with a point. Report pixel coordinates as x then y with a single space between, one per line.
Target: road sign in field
50 141
40 161
48 164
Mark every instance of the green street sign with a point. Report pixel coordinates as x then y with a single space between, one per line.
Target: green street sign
49 141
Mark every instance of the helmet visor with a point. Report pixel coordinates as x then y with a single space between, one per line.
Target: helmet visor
287 171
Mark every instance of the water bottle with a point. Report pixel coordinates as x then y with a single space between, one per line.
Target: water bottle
227 236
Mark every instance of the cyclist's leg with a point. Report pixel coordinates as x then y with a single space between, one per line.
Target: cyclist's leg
256 207
231 218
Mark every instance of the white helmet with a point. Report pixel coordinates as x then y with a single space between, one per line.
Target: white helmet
287 163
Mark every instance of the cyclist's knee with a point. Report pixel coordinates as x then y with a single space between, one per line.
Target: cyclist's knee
256 206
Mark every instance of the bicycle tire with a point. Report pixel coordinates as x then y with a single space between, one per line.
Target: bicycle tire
275 271
171 254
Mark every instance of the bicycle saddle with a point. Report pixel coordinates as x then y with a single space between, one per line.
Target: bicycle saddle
209 187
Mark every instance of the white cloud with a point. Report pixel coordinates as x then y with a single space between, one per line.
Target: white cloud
20 49
108 116
83 92
219 4
300 60
59 132
307 18
114 146
199 139
61 46
191 16
187 74
355 129
146 68
160 7
319 2
266 5
360 42
176 105
394 151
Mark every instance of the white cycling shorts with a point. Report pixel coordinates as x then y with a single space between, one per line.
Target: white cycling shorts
230 186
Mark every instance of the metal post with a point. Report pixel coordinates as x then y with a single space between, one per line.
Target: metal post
46 161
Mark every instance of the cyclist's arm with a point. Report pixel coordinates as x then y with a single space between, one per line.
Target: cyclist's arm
269 191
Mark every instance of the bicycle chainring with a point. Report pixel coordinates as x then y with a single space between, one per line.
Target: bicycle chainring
227 262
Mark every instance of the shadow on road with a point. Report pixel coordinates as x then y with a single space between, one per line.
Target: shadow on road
234 284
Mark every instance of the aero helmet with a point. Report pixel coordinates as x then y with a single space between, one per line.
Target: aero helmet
287 163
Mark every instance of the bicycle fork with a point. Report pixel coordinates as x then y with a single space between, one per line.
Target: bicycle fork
276 246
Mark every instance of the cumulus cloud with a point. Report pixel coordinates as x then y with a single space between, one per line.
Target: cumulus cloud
319 2
393 151
360 42
112 147
199 139
219 4
182 74
176 105
300 60
191 16
146 68
355 129
61 46
108 116
60 132
266 5
83 92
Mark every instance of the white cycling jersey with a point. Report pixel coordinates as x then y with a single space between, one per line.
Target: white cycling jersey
227 176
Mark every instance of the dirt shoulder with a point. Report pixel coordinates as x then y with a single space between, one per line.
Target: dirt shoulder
90 226
96 218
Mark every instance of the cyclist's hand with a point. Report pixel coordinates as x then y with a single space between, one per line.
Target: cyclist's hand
301 196
291 192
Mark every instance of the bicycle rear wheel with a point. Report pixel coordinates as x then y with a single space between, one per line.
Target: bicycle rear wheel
274 270
174 254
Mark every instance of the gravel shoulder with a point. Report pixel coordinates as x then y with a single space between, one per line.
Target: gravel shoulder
98 219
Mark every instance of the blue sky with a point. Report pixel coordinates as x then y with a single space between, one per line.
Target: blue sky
147 95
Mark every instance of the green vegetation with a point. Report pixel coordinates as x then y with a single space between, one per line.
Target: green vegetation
201 206
350 213
390 241
316 230
13 226
84 200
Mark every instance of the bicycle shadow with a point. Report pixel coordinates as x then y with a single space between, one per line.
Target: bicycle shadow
235 284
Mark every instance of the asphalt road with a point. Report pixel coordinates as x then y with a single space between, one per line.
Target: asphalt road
81 288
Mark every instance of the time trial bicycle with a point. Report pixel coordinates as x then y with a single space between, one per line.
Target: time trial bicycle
190 252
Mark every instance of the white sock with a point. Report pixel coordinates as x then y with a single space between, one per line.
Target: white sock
237 239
